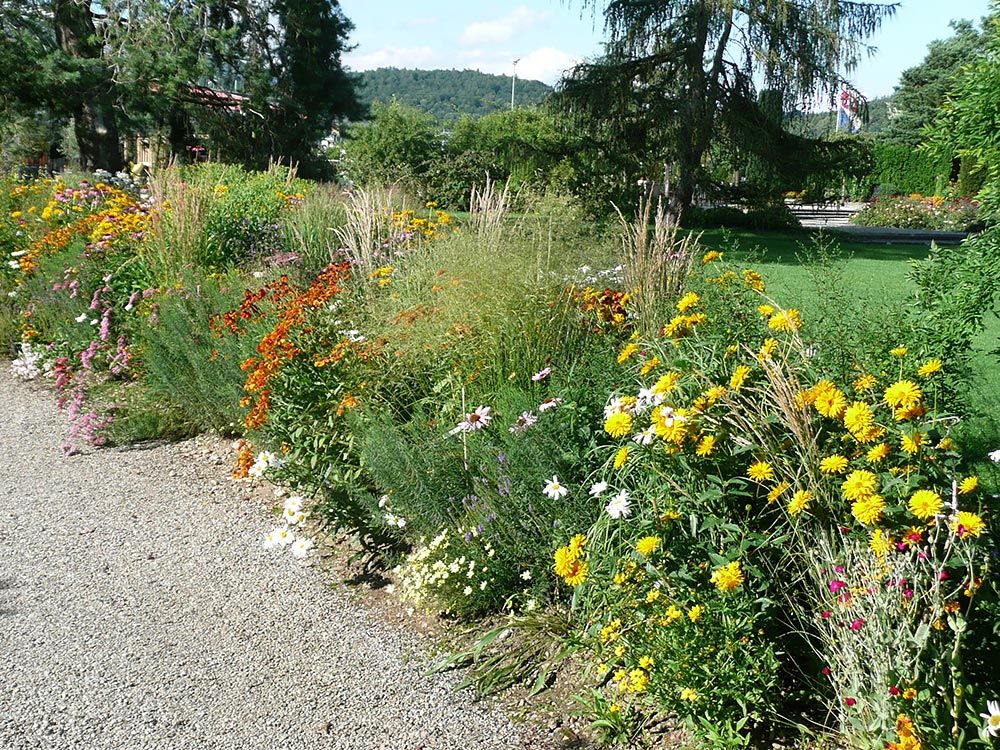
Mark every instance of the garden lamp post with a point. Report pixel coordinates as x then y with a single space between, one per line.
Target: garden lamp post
513 80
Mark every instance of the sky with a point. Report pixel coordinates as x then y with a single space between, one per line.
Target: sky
549 36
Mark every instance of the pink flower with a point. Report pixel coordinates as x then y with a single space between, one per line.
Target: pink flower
943 576
838 568
826 614
849 702
894 691
856 625
836 585
549 403
542 374
825 670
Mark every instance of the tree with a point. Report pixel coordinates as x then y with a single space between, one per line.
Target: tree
969 122
923 88
678 73
134 66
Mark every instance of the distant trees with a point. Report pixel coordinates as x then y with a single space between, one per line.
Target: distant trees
448 94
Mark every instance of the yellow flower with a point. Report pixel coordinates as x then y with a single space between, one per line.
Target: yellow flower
767 349
859 485
864 382
929 367
766 311
911 443
706 446
611 631
576 544
925 504
688 301
967 524
626 353
651 364
645 662
778 491
903 394
666 383
799 502
619 424
869 509
910 693
672 615
564 559
647 545
899 351
834 464
577 574
968 485
711 256
728 577
760 471
877 453
652 596
881 544
739 376
789 320
694 614
753 280
621 457
689 694
859 419
830 401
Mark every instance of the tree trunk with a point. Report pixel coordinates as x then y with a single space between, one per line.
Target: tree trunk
92 103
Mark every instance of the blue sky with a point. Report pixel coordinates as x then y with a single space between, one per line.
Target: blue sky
550 35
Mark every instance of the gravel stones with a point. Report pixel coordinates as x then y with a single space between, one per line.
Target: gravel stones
139 610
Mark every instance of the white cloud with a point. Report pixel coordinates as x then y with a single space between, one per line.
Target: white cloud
545 64
503 29
396 57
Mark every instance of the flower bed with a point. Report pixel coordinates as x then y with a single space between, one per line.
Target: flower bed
920 212
715 514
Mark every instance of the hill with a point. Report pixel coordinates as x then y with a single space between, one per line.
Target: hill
447 94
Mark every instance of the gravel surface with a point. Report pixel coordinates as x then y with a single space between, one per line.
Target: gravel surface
139 610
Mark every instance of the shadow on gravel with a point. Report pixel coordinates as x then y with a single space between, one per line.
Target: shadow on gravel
6 584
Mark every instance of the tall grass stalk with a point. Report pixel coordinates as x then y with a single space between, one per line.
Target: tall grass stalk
489 209
367 227
657 258
177 229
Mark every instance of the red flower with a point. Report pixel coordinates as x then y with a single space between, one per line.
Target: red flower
849 702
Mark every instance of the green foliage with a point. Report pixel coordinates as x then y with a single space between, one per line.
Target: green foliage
957 289
777 216
398 145
189 368
447 94
902 169
967 123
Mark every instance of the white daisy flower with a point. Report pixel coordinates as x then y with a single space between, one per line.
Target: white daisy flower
293 517
995 456
598 488
992 717
293 503
282 536
555 490
619 507
645 437
81 318
301 547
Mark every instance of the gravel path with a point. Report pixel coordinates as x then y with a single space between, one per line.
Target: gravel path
139 610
